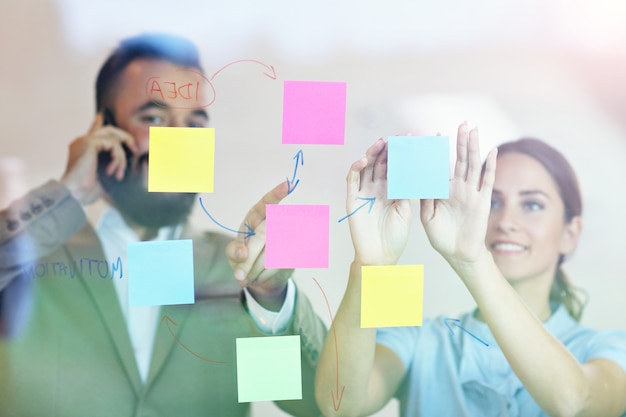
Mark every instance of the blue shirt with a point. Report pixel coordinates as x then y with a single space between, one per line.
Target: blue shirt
448 372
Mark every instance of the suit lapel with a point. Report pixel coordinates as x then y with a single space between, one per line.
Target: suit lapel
172 319
86 244
171 322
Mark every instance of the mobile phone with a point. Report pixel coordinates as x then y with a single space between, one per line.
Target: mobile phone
104 158
108 118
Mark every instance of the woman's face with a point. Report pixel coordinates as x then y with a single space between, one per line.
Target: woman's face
527 232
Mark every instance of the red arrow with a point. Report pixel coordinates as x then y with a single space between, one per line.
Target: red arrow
336 396
269 68
167 320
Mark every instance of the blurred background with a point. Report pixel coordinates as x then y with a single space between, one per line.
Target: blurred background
551 69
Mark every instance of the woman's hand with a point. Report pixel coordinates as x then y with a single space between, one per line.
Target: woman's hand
379 229
456 227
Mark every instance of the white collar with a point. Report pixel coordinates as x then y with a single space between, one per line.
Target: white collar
113 225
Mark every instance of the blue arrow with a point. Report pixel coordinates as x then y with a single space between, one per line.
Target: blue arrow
248 234
299 157
369 201
290 188
456 321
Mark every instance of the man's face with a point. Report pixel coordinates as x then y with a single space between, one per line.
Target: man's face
134 110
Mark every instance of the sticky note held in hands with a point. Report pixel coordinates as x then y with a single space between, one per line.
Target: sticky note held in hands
181 159
392 295
418 167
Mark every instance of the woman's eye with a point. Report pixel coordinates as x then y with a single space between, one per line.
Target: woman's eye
495 204
533 205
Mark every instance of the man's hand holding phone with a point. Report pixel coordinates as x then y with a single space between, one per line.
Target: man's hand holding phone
81 173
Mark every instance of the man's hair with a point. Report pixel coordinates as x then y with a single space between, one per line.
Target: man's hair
175 49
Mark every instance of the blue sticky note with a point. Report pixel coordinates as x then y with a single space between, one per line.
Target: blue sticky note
160 273
418 167
269 368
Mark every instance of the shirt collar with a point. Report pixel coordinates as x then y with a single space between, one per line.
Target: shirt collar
559 322
112 224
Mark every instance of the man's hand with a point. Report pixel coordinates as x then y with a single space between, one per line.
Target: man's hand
80 175
247 255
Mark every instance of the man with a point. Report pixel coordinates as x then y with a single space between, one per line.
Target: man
73 345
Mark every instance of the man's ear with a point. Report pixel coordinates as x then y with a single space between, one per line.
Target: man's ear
571 235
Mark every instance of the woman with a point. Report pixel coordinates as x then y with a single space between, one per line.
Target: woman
505 233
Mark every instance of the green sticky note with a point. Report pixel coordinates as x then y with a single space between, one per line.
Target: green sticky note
269 368
181 159
392 295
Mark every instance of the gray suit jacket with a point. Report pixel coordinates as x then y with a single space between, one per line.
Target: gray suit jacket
70 353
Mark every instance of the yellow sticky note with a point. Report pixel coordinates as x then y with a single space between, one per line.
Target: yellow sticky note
392 295
181 159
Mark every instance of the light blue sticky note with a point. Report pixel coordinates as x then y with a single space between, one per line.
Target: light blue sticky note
418 167
269 368
160 273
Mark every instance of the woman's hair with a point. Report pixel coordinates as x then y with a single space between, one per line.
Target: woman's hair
561 171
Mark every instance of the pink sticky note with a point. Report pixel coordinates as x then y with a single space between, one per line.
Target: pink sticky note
296 236
314 112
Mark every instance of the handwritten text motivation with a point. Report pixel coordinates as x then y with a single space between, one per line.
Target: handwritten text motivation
85 267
